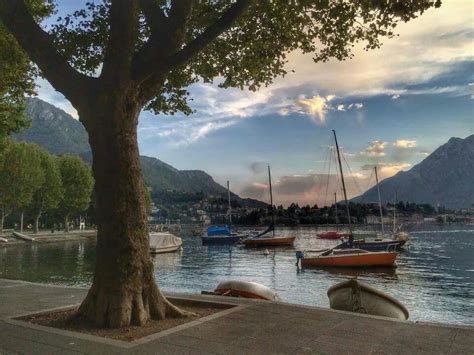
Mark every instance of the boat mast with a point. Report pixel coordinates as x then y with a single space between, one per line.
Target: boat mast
229 210
335 204
351 238
395 213
380 200
271 199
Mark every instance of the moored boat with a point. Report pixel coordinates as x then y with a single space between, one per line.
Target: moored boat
246 289
269 241
162 242
373 244
3 240
264 240
349 258
222 234
354 296
332 235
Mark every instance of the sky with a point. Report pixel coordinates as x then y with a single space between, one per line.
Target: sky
390 107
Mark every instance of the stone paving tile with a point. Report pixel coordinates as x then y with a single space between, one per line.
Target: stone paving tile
266 346
338 345
262 328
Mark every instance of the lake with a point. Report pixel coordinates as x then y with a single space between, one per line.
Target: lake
434 278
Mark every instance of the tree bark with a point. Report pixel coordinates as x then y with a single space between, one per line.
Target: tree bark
21 222
66 223
123 291
36 230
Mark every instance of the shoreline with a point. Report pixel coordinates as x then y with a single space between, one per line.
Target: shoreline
48 237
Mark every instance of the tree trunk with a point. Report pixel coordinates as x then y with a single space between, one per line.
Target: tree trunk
66 223
123 291
2 220
21 222
36 230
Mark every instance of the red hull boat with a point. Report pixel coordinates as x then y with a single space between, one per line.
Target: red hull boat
333 235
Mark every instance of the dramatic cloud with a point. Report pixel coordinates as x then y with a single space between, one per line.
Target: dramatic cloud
316 107
376 149
386 170
308 189
404 143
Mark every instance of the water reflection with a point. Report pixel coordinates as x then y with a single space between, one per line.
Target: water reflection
434 278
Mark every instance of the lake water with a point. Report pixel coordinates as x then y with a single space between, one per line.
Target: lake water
434 278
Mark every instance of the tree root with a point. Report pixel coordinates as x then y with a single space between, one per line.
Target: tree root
121 308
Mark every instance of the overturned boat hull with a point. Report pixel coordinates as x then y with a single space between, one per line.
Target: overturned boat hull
246 289
354 296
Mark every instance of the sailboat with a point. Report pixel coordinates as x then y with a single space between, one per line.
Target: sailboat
379 242
263 239
333 234
350 257
222 234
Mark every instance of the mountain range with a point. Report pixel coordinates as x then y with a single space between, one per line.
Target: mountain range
59 133
445 178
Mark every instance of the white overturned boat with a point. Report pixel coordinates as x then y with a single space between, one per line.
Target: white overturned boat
354 296
246 289
164 243
23 237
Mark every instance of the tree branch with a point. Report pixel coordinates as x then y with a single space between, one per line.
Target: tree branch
154 15
122 40
209 34
150 61
39 46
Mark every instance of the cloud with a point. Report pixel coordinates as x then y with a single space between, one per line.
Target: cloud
307 189
375 149
386 170
404 143
47 93
316 107
258 167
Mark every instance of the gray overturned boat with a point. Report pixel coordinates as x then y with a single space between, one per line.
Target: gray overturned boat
164 243
246 289
354 296
23 237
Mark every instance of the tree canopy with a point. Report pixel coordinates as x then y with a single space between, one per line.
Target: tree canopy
77 185
165 46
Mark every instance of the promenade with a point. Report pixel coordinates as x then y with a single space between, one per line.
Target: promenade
251 327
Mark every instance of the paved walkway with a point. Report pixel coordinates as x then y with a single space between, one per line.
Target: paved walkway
252 327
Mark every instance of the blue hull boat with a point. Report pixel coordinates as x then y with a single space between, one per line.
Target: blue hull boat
220 235
220 239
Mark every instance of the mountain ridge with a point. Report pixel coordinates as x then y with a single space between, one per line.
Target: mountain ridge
59 133
443 178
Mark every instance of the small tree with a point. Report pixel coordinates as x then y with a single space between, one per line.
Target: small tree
20 176
50 192
77 185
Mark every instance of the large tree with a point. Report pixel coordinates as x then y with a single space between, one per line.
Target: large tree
49 194
20 176
114 58
77 185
